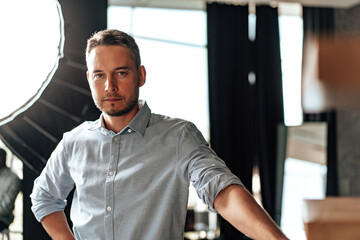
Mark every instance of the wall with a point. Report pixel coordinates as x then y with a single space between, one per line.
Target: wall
347 21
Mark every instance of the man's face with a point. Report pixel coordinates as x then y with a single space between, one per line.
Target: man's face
114 80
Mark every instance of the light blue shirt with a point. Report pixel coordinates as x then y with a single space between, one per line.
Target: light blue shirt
133 184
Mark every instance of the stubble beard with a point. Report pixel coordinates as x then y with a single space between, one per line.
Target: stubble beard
129 106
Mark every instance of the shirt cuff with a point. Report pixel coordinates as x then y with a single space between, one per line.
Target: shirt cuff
215 185
40 211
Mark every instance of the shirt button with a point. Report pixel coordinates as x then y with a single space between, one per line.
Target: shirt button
129 130
108 209
116 139
111 173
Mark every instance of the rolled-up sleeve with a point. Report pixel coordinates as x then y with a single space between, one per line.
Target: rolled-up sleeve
207 172
53 185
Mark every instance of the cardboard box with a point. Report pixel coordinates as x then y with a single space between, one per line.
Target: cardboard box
334 218
331 73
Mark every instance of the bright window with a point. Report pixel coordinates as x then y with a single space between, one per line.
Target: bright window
291 35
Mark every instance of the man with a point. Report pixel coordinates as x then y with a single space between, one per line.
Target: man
131 168
10 185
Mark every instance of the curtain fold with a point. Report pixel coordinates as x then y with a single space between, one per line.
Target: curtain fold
270 113
244 115
231 105
321 21
318 20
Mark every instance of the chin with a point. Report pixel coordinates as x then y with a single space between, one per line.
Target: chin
117 112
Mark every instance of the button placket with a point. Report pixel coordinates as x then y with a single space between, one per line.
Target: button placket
115 153
109 184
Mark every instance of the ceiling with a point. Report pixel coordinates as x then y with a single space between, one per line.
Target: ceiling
201 4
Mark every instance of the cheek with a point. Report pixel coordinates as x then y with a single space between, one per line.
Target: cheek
97 87
94 94
130 86
95 90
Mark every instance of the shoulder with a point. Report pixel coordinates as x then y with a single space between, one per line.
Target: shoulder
83 127
177 126
166 122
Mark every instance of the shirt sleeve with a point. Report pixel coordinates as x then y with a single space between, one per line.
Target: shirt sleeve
53 185
207 172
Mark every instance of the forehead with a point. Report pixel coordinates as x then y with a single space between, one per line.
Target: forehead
109 56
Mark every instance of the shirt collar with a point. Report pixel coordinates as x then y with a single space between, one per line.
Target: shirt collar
141 120
137 124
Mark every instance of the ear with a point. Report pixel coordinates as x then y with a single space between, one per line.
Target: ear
142 76
87 75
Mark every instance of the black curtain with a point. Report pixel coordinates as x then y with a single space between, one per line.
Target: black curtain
64 104
244 115
321 21
232 107
270 113
318 20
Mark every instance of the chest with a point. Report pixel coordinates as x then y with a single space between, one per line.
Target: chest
128 159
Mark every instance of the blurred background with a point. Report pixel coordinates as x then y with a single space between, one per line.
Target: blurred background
256 77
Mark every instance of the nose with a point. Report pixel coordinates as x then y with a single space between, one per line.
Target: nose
111 85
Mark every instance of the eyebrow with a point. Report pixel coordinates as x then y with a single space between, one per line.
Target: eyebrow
118 68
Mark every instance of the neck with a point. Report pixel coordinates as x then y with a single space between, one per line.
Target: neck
118 123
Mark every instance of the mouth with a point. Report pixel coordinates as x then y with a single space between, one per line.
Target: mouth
112 99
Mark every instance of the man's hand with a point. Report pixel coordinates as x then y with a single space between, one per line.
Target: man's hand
236 205
57 227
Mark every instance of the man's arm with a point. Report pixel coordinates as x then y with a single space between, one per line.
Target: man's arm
57 227
236 205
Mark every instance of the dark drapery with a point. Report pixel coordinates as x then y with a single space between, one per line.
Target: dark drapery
231 97
321 21
244 116
270 113
318 20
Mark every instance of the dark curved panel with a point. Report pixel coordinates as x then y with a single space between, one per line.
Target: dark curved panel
64 104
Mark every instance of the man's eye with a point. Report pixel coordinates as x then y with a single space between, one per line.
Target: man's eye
98 75
121 73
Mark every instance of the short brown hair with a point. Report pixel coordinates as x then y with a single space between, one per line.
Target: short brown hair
114 37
